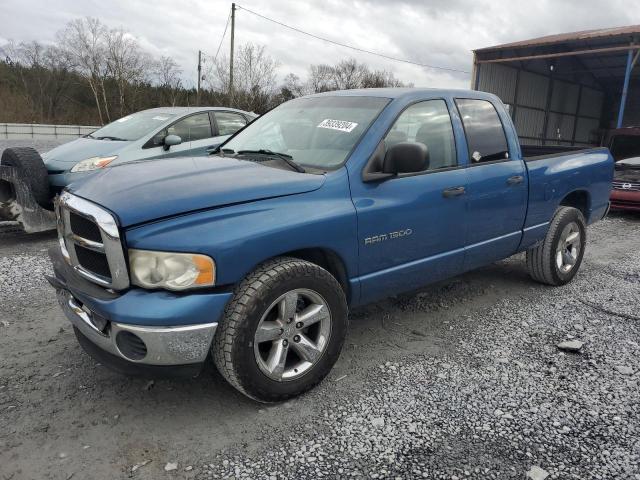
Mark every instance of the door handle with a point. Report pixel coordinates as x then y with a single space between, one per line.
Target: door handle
515 180
453 192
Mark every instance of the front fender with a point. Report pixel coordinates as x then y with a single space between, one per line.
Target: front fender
239 237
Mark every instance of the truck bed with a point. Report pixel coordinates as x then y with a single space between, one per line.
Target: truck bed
555 173
536 152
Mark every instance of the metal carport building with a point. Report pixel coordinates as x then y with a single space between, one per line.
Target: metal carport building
566 89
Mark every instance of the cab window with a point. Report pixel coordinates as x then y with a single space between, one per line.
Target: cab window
229 123
483 129
429 123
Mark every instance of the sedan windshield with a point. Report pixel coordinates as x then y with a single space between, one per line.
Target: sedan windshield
132 127
317 132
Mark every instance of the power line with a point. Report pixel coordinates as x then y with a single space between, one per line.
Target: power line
395 59
223 35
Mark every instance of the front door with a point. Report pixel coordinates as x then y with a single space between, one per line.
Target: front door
196 132
496 189
411 228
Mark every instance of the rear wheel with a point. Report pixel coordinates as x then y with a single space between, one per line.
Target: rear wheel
283 330
32 170
557 259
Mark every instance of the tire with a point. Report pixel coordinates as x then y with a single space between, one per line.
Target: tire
238 352
542 260
32 170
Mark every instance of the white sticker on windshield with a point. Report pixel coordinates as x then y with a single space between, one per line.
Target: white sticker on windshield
123 119
341 125
162 119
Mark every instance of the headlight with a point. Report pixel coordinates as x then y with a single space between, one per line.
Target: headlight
173 271
92 164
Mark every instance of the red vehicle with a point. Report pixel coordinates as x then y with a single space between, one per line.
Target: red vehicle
625 194
624 144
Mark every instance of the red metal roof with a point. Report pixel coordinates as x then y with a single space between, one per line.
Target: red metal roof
569 37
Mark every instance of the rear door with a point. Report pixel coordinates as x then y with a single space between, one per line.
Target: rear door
496 186
411 227
226 124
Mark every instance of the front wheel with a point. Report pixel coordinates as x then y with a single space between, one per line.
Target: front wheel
557 259
283 330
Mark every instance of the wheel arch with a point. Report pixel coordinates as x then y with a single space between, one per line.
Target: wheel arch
579 199
327 259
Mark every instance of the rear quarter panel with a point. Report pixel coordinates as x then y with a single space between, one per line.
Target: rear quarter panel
553 177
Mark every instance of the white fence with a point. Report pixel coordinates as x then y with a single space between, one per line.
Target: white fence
14 131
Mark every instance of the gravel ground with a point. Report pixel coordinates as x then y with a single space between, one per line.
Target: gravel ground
462 380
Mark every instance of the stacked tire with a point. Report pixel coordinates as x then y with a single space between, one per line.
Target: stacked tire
31 170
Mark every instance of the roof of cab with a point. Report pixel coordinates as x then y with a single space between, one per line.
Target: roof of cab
410 93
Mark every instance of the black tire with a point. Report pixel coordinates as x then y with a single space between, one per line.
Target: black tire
541 260
32 170
232 348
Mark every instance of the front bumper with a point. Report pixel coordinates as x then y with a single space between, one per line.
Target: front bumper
146 345
160 334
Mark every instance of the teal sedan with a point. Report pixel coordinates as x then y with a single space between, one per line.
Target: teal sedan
155 133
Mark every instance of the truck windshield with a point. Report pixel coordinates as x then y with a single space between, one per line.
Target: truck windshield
132 127
317 132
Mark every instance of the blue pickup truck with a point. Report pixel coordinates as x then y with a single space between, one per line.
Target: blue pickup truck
254 255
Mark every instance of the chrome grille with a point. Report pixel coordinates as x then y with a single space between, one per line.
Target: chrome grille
90 241
626 186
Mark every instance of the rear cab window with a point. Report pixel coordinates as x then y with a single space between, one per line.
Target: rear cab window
484 131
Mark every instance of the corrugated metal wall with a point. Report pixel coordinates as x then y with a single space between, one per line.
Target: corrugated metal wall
574 110
632 107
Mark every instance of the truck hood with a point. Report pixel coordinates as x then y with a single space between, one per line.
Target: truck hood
68 154
143 191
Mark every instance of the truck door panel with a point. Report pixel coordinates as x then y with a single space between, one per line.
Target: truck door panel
409 232
496 189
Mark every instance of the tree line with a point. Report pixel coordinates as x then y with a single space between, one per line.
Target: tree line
93 74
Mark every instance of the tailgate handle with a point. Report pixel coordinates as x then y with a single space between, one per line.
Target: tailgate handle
515 180
453 192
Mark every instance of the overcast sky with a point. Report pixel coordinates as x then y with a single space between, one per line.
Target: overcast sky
436 32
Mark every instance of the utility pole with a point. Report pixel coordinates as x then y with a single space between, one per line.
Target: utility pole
233 30
199 77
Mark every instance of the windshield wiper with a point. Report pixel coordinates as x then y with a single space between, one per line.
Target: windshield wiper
288 159
107 137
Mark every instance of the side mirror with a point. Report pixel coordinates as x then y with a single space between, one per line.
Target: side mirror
406 157
171 140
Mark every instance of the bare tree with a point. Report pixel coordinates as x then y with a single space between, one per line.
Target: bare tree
167 75
381 79
348 74
292 87
42 73
85 42
320 78
126 63
254 77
